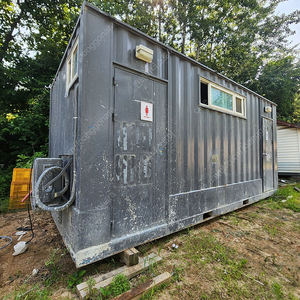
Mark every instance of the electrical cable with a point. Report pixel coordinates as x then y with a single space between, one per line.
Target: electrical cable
31 226
28 207
59 175
6 237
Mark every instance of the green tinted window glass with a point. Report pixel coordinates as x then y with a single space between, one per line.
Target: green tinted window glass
221 99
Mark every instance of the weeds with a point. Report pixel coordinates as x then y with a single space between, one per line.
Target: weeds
155 290
92 292
208 264
26 293
75 279
286 197
277 289
54 269
270 229
119 285
177 273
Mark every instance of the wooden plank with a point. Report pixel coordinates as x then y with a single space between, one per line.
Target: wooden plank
130 257
105 279
142 289
99 278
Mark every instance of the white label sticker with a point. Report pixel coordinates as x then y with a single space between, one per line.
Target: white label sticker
267 135
146 111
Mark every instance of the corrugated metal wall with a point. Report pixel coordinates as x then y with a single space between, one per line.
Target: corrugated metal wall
288 149
212 148
212 161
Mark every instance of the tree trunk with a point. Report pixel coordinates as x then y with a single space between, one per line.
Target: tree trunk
198 51
9 35
183 40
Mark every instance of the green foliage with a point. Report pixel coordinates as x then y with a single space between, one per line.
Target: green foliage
178 273
119 285
277 289
155 290
24 161
296 109
244 40
30 293
54 268
75 279
279 81
5 181
44 27
92 292
286 197
105 293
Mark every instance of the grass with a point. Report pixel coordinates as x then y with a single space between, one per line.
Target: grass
216 270
54 269
42 290
286 197
32 293
119 285
209 263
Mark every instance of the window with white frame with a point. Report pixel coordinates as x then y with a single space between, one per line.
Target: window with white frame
72 65
219 98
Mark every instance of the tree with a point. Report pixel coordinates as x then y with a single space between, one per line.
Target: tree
240 38
296 114
279 81
33 37
237 37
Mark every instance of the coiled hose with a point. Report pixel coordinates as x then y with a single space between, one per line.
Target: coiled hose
6 237
64 173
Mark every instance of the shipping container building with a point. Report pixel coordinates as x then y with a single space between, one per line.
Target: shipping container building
154 141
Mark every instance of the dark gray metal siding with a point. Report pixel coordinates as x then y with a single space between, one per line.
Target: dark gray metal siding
212 160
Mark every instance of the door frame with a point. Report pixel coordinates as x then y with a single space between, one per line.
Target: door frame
264 189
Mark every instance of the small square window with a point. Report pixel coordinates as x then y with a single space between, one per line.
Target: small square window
239 105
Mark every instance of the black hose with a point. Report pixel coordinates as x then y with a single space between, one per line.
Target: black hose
31 225
28 207
6 237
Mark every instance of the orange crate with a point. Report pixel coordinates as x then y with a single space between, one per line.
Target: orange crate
21 175
16 188
19 188
17 204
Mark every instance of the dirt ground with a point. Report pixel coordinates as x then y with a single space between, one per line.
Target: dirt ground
14 270
267 239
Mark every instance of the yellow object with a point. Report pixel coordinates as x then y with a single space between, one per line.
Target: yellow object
20 185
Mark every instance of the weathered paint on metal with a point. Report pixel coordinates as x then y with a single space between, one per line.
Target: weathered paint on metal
140 180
